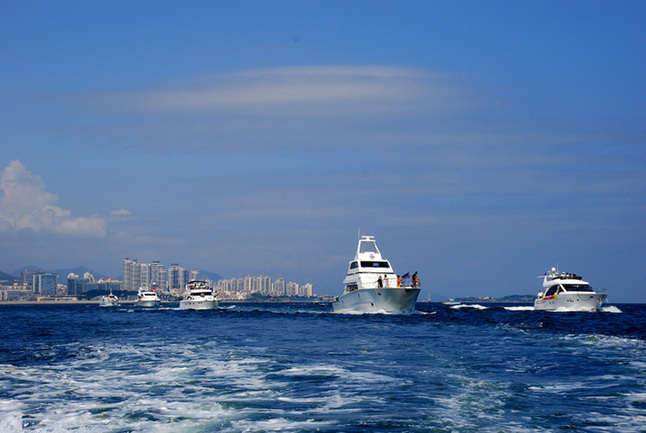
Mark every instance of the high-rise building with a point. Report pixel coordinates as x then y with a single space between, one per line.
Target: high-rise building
279 287
158 276
144 276
177 277
292 289
45 283
131 274
73 286
27 276
306 290
194 275
249 284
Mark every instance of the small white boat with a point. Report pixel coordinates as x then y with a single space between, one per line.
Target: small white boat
567 292
109 301
147 298
198 296
452 302
371 285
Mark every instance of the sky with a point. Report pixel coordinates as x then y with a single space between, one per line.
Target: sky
481 143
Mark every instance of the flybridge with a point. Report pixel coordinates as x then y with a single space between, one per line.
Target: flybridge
367 248
568 277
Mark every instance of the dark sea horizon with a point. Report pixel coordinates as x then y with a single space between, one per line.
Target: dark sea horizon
296 367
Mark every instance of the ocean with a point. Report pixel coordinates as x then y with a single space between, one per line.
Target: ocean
295 367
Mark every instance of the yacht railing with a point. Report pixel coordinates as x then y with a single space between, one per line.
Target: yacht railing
390 284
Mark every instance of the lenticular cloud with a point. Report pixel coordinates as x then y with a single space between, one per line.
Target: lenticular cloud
25 204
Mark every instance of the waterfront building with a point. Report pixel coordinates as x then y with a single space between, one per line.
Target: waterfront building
131 274
76 286
194 275
73 286
109 284
306 290
45 283
263 285
279 287
177 277
158 276
249 284
27 276
291 289
145 279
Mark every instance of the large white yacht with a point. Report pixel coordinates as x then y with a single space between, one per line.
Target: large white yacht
198 296
147 298
567 292
371 285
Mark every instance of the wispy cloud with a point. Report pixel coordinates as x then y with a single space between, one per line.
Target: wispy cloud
304 90
121 212
304 106
25 204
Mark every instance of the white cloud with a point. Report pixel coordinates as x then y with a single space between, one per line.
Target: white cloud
121 212
24 204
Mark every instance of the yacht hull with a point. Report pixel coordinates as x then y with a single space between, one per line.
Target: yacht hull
386 300
198 305
108 304
148 304
571 302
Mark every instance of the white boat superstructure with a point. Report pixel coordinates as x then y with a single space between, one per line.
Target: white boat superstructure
198 296
147 298
371 285
567 292
109 300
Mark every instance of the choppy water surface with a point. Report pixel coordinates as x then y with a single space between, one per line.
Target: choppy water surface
299 368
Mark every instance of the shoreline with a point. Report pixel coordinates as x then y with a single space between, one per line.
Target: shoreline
129 301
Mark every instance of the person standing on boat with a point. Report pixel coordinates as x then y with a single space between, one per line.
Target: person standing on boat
386 281
399 281
414 281
379 282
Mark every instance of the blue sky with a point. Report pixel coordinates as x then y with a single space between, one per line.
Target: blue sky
480 142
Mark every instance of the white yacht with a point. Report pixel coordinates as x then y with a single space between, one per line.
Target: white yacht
371 285
567 292
198 296
147 298
109 301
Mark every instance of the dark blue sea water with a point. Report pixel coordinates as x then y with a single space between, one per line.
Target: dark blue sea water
299 368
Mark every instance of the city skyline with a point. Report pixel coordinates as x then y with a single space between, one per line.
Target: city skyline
481 143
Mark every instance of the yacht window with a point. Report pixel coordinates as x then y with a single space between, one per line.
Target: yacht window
375 265
578 288
353 265
551 291
368 247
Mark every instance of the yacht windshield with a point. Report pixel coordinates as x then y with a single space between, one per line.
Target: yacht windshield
368 247
577 288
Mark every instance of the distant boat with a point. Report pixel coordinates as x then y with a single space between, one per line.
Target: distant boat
198 296
567 292
371 285
452 302
147 298
109 300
